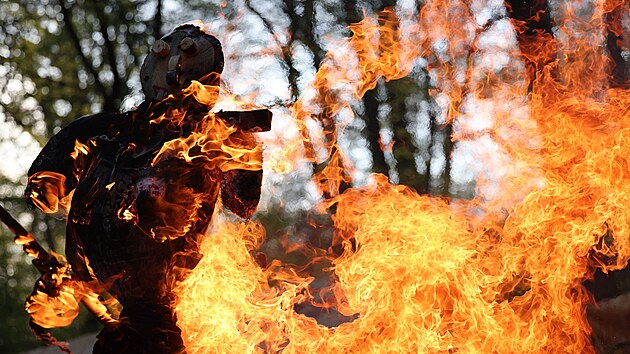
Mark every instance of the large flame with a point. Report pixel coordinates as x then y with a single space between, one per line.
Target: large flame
502 273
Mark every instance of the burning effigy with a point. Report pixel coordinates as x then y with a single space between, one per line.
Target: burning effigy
139 190
504 272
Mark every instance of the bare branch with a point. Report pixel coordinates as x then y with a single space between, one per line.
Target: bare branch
157 21
110 53
69 26
286 49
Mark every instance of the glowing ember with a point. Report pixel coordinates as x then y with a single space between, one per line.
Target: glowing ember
422 274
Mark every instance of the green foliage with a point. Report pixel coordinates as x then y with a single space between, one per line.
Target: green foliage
66 59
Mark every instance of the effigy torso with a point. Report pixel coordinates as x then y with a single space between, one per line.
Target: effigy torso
130 217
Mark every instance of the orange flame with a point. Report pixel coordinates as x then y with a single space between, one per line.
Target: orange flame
49 193
424 274
214 145
55 301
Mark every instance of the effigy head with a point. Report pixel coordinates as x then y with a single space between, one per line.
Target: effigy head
187 53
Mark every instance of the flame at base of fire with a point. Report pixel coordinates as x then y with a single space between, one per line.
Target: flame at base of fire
424 276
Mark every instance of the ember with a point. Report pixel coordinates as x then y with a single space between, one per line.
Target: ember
503 272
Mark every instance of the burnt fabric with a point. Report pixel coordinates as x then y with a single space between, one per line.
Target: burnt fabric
132 223
138 333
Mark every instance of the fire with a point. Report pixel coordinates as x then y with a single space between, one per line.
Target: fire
219 143
49 192
53 311
501 273
55 300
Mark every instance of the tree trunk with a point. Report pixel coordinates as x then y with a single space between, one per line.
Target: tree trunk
533 23
157 21
372 132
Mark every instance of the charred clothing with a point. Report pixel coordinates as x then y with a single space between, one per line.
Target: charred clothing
134 222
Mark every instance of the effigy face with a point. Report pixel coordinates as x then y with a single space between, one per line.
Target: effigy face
185 54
